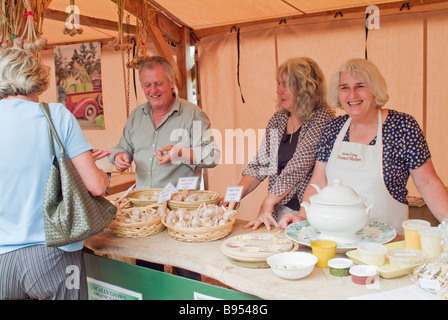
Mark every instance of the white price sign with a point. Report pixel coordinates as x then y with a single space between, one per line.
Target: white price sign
429 284
187 183
165 193
233 194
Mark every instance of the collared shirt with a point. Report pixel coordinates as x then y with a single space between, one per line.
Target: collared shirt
185 125
297 172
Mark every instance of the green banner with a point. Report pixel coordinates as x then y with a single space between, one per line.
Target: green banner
110 279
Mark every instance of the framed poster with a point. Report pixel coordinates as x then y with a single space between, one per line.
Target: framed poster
78 82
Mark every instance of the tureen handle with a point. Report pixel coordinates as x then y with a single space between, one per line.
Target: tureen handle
316 187
306 205
368 209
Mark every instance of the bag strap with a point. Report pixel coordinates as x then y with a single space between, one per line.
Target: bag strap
51 130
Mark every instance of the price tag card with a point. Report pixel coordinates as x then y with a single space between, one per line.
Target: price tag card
165 193
233 194
429 284
187 183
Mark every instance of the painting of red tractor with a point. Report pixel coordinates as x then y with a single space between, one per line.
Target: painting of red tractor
78 79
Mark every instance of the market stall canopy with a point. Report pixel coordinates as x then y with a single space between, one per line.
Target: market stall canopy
201 17
169 27
205 16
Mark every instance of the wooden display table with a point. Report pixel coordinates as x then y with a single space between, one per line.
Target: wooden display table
121 182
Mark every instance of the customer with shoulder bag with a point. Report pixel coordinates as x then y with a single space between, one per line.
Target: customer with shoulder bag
31 268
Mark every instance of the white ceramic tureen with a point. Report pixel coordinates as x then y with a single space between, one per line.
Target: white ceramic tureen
337 212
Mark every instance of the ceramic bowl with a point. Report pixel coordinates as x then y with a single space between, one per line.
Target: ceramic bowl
292 265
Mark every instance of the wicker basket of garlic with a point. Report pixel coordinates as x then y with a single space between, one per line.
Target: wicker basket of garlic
193 199
136 222
144 197
209 222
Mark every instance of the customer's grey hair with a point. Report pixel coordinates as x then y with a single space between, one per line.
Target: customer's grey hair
21 73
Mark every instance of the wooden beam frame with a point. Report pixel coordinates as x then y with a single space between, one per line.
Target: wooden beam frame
163 48
165 40
170 29
88 21
166 32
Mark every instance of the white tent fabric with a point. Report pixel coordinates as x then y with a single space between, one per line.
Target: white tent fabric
406 49
201 14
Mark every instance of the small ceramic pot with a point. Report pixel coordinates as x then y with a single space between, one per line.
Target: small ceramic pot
340 267
363 275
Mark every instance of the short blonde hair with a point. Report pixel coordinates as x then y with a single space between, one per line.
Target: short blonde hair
365 71
21 73
306 81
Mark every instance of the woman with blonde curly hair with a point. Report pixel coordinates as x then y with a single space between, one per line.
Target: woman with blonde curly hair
287 153
374 150
30 269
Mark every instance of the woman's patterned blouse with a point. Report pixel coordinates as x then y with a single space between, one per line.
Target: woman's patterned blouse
298 171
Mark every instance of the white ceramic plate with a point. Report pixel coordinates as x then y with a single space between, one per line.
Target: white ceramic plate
255 246
374 231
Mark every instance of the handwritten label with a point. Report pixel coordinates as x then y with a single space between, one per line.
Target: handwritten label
187 183
233 194
166 193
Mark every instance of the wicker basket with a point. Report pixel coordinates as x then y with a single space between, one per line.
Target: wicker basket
136 230
135 195
191 205
202 234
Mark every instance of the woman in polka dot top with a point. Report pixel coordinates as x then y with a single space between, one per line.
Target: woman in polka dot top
374 150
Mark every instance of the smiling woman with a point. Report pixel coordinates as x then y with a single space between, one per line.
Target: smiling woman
367 75
388 146
358 101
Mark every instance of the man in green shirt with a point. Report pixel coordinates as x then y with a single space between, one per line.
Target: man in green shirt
167 137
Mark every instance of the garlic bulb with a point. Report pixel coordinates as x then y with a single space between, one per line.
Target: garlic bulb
139 214
191 197
171 218
205 216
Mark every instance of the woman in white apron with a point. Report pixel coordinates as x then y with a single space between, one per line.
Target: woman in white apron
374 150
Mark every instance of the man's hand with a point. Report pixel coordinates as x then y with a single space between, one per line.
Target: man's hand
122 162
174 154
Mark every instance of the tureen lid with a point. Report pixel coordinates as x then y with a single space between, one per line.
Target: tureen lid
335 193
